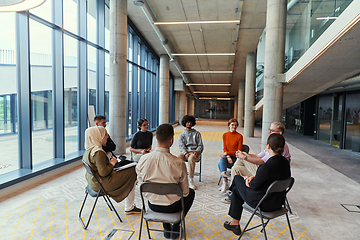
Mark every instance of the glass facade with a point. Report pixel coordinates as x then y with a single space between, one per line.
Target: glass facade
214 109
352 114
53 68
306 21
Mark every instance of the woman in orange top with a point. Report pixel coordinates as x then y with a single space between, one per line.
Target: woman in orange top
232 142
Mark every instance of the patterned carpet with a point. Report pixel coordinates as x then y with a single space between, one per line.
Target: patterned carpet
53 219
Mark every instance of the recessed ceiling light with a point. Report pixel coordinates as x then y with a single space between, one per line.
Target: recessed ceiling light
213 92
206 71
19 5
325 18
197 22
209 84
203 54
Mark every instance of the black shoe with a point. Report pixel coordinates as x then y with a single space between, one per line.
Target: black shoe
174 230
167 229
234 228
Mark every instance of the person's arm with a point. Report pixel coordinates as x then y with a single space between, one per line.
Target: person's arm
240 142
133 145
260 178
184 183
182 144
200 146
286 153
253 158
225 148
110 145
102 163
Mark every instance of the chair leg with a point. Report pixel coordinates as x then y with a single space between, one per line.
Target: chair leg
219 180
263 225
247 224
92 210
200 171
148 230
111 206
287 218
141 221
287 205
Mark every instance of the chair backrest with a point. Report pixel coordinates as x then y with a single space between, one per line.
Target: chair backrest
279 186
245 148
161 188
91 172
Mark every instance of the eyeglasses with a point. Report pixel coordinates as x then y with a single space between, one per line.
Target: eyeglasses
146 124
274 131
232 124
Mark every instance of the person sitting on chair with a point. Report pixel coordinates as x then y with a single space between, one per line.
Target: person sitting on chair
142 140
109 146
191 146
119 185
232 142
247 164
162 167
252 189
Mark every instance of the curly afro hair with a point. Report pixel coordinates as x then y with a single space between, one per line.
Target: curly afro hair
188 118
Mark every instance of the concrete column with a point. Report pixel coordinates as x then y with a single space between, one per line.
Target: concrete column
177 103
118 55
240 105
191 105
182 105
164 90
235 107
274 64
250 78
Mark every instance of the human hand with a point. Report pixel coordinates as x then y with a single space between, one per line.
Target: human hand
248 180
187 155
223 154
113 161
239 154
144 151
196 155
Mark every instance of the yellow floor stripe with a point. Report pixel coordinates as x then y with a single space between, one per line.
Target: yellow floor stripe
205 135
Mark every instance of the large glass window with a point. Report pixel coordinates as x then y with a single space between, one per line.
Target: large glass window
8 94
91 20
41 91
91 76
70 94
325 112
353 122
70 15
107 27
43 11
107 84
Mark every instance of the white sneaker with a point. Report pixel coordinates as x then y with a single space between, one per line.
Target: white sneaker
192 184
224 187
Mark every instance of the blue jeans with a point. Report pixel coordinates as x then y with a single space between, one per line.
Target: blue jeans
223 165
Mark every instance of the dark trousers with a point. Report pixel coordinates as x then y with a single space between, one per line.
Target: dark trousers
175 207
237 198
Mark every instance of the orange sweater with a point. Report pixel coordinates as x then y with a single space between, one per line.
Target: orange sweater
232 142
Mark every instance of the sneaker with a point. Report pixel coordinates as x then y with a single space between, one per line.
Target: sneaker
192 184
224 187
133 211
226 200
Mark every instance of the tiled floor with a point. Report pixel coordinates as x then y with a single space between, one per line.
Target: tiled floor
50 211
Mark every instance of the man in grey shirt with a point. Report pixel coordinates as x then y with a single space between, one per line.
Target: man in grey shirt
191 146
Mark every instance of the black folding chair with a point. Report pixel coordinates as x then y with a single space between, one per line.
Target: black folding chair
275 187
96 195
149 215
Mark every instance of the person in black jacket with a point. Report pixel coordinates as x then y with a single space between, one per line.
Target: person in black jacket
110 146
252 189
